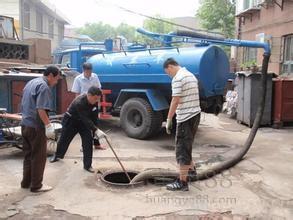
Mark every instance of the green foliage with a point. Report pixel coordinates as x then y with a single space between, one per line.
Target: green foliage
127 31
157 26
99 31
249 64
218 15
154 26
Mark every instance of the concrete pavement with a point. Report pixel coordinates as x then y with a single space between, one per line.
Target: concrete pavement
259 187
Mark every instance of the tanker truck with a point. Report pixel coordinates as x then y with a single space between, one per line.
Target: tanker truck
141 90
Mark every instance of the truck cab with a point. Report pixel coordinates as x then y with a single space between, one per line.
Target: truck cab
74 58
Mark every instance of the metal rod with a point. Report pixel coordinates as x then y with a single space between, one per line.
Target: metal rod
118 159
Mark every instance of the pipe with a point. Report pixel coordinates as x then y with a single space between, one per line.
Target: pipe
193 37
238 157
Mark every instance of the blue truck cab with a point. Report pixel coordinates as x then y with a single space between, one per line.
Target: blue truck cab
75 57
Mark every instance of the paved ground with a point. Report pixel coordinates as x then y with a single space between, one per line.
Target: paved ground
259 187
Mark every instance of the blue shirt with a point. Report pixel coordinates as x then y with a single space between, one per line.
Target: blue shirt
36 95
82 84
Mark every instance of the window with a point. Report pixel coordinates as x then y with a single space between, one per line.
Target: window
39 18
250 55
60 32
51 28
288 55
66 59
26 16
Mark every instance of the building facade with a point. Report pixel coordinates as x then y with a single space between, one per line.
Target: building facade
266 20
35 19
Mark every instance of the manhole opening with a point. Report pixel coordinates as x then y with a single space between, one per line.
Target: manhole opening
119 177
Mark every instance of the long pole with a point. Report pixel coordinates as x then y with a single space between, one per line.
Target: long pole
118 159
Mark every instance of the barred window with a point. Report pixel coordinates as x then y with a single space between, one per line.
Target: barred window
51 28
60 32
288 55
250 54
39 22
26 16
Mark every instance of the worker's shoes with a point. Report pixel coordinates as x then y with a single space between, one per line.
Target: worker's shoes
90 169
25 186
178 185
192 175
44 188
100 147
54 159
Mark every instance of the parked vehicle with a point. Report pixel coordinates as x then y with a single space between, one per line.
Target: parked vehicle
141 90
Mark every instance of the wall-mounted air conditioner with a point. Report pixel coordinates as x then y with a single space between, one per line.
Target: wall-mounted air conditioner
259 2
243 5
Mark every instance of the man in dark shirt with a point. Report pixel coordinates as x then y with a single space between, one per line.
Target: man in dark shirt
36 128
81 117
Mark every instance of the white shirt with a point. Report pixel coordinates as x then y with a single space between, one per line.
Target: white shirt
81 84
185 85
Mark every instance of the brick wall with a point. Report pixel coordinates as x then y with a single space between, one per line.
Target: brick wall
270 20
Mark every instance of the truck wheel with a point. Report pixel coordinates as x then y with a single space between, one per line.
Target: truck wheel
139 120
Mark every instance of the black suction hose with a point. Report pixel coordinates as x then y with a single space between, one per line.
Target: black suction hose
196 35
204 174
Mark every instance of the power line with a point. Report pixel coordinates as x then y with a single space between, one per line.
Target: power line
159 19
52 34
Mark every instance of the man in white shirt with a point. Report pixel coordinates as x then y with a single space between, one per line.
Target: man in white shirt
84 81
81 85
185 103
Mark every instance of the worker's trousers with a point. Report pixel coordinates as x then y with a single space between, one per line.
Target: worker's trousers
35 155
70 127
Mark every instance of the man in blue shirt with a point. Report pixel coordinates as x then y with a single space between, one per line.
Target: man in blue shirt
36 128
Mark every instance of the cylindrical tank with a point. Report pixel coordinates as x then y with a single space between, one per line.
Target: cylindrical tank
144 69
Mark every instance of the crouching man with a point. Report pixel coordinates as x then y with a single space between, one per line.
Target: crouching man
81 117
185 103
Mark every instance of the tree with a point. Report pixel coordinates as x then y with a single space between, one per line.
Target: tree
127 31
98 31
156 26
218 15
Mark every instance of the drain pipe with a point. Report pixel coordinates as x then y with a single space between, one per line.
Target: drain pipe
226 164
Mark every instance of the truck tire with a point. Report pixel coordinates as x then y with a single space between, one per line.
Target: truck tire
138 119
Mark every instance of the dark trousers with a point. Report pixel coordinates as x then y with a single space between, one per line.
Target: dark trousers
185 133
70 127
35 155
